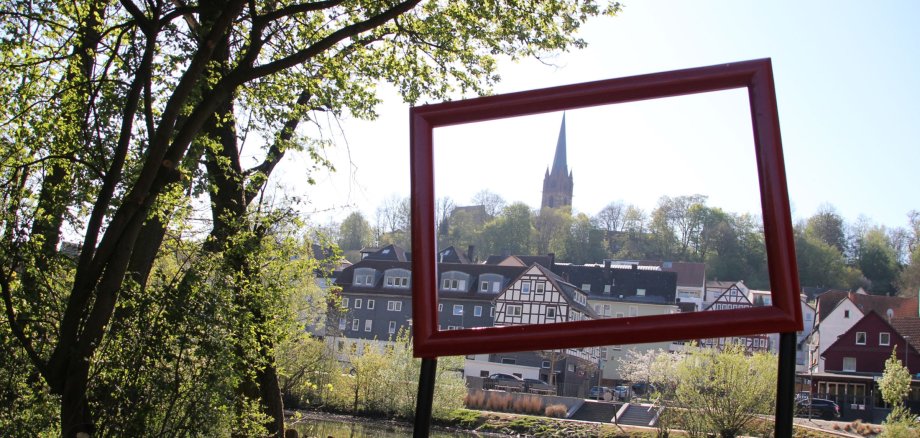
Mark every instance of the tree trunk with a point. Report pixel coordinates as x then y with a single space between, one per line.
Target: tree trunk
76 417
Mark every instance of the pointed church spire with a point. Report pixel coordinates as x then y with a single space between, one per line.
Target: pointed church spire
560 167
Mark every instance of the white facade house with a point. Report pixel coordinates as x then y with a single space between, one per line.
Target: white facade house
827 330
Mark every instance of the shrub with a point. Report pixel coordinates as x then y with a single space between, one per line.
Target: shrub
556 411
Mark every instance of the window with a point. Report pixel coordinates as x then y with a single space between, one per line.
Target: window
619 314
860 338
454 280
491 312
367 325
633 311
606 310
640 292
458 309
490 283
370 304
586 287
477 311
484 373
846 313
525 287
440 307
540 287
509 360
342 323
849 364
604 353
615 347
597 308
571 368
345 302
606 289
580 299
514 310
545 364
392 328
484 286
394 306
358 303
364 276
884 338
551 312
397 278
355 323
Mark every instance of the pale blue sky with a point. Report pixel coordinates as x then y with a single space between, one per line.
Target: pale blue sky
847 86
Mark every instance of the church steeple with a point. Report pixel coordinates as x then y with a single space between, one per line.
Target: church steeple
560 166
557 183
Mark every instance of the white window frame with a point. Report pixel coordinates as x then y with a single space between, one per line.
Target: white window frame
477 311
355 324
525 287
440 307
370 304
864 337
491 312
458 310
392 327
514 310
551 312
394 306
887 339
358 303
343 323
544 364
633 311
540 287
483 286
368 324
345 302
640 292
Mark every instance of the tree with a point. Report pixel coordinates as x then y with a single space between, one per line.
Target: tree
492 202
728 388
552 228
510 232
877 261
584 243
895 385
354 232
827 226
909 278
115 105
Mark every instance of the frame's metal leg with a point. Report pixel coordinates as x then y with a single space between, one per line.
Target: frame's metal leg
426 398
785 385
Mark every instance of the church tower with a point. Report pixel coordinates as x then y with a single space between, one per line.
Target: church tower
557 184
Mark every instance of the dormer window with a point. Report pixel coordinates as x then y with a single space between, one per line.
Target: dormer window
397 278
454 280
491 283
364 277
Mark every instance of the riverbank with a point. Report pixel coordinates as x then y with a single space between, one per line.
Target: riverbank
465 422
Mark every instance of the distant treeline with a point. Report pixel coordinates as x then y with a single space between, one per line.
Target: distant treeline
831 252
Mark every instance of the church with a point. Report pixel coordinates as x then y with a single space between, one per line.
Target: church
557 184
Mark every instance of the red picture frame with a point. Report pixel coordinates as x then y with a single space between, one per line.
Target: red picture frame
784 315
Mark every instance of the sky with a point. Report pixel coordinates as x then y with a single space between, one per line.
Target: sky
846 77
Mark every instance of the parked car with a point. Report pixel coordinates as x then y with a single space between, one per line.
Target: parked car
819 408
642 388
538 386
505 382
622 392
600 393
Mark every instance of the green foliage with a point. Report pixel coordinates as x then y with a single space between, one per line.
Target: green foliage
895 381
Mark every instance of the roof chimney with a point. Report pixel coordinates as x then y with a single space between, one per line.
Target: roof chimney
552 260
469 252
606 263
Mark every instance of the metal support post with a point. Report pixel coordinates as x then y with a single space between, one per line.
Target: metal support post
425 398
785 385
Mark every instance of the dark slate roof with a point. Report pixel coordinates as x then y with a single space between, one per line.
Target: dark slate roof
568 289
624 281
451 255
346 277
390 252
